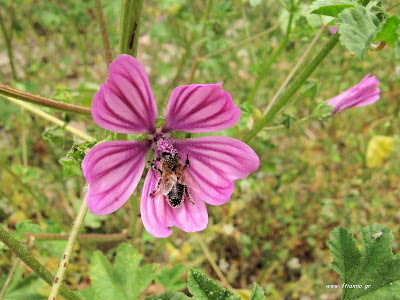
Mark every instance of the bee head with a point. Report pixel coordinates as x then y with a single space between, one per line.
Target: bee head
169 157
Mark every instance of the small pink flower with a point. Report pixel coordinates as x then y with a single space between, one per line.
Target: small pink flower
332 30
125 104
363 93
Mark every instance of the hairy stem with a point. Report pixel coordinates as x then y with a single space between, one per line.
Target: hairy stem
294 70
41 203
104 33
264 71
9 278
241 43
201 36
286 97
30 261
131 12
10 53
95 237
213 263
28 97
68 250
52 119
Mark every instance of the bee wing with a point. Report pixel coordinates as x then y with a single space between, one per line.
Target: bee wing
192 182
167 184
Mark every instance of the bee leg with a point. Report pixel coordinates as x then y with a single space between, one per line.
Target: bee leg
152 164
187 194
186 163
157 188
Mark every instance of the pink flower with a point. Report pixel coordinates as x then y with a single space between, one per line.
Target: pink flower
332 30
363 93
209 165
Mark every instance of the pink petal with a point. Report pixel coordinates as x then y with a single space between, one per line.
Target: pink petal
363 93
200 108
125 103
113 170
157 215
215 162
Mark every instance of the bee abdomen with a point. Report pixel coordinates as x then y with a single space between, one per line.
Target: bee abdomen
175 196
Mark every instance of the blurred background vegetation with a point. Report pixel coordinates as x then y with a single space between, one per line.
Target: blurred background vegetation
313 175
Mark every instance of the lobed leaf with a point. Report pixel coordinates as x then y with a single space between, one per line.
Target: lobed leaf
257 293
330 7
373 273
202 287
358 28
388 31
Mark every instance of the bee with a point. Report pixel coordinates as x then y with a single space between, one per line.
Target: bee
173 180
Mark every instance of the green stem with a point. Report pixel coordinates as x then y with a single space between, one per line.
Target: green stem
286 97
9 278
95 237
264 72
196 60
104 33
241 43
10 52
24 96
131 12
394 6
68 250
50 118
30 261
40 202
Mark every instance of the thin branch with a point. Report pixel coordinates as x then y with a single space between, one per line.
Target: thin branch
294 70
32 262
68 250
82 237
50 118
213 263
286 97
9 278
202 33
21 95
104 33
7 39
261 75
393 6
241 43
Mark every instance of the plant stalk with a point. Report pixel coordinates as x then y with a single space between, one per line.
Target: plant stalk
198 48
104 33
50 118
286 97
28 97
131 12
68 250
10 53
82 237
9 278
31 261
261 75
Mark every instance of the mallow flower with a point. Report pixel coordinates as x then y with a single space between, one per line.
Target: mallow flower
185 173
364 93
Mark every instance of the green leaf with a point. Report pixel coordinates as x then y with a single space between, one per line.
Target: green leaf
170 278
201 287
70 167
124 280
171 295
373 273
388 32
330 7
357 27
54 134
257 293
22 289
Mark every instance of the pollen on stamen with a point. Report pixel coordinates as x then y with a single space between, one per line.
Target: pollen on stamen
166 144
